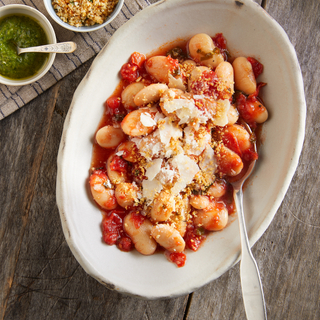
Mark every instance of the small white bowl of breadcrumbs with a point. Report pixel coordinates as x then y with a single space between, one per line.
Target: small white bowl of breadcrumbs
83 15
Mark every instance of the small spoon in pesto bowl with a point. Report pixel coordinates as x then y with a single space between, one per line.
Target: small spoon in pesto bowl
62 47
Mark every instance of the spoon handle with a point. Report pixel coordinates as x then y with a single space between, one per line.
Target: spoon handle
252 291
62 47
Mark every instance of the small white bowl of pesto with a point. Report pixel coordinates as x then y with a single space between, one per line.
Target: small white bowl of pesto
24 26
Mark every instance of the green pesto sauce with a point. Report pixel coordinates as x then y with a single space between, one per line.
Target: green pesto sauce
25 32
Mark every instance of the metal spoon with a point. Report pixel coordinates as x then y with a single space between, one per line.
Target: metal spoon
62 47
252 291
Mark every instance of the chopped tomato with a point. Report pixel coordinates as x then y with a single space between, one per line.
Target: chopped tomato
125 244
137 219
257 67
230 141
179 258
194 237
129 72
220 41
174 63
249 107
119 164
206 84
138 59
114 102
115 108
112 226
256 93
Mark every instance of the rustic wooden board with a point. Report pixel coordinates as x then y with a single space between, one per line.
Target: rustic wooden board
23 138
288 253
40 278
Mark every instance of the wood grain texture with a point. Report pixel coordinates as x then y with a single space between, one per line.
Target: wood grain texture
287 254
40 278
22 144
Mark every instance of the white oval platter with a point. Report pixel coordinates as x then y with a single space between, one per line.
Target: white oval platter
249 30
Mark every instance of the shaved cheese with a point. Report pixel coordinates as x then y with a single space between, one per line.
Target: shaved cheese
169 152
146 120
158 116
171 94
185 110
172 149
139 193
166 175
203 117
137 141
151 188
176 83
187 169
156 148
120 153
154 169
210 106
172 105
149 146
187 114
208 163
193 145
198 96
168 130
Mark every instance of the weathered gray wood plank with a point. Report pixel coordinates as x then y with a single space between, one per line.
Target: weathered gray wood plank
23 140
287 254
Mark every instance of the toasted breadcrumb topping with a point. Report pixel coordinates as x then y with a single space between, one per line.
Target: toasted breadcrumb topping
81 13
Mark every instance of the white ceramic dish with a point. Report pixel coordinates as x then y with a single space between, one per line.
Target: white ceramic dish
249 30
46 25
52 13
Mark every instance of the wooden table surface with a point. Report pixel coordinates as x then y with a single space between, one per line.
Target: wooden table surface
40 278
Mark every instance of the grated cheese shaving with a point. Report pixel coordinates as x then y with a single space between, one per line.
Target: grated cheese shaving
195 144
169 130
176 83
166 175
208 163
158 116
187 169
146 120
154 169
151 188
120 153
